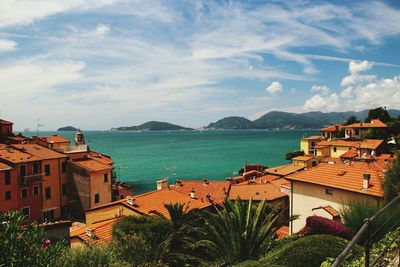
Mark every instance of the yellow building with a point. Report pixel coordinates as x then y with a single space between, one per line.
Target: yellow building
336 148
307 144
325 189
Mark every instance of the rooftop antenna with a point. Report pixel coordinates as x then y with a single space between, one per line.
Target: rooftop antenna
38 125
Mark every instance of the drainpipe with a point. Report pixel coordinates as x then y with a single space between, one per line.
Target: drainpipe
291 206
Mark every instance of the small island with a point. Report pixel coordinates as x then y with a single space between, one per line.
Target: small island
155 126
67 129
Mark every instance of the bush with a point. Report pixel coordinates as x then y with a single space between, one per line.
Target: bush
320 225
308 251
93 256
294 154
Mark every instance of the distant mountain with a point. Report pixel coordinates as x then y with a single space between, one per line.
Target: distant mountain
154 126
286 120
232 123
68 128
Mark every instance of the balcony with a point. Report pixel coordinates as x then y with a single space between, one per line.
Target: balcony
74 149
31 178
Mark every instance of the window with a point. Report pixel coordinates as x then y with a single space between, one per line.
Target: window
96 198
22 170
36 168
47 169
357 132
64 189
25 212
8 195
7 177
24 193
48 215
106 177
36 190
64 167
334 149
48 192
329 191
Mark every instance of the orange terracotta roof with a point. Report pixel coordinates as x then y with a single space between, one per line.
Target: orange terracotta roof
333 128
54 139
303 158
373 124
330 160
352 153
367 143
284 169
4 167
15 156
216 189
387 156
269 191
101 158
92 165
313 137
39 151
342 176
103 232
5 122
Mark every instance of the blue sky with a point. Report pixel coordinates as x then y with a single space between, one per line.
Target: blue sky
97 64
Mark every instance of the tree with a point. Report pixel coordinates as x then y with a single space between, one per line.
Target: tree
351 120
24 244
391 182
239 231
378 113
294 154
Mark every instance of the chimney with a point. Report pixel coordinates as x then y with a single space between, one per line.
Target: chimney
130 200
193 193
366 178
208 196
162 184
205 182
90 232
178 183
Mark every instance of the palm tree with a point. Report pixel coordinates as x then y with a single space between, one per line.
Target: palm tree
239 231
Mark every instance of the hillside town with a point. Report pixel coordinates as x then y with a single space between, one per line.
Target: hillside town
73 194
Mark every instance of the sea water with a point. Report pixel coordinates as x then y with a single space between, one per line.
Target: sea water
141 158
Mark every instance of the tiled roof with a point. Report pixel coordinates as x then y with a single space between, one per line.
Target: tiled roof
103 232
216 189
54 139
15 156
342 176
302 158
101 158
333 128
92 165
4 167
39 151
5 122
284 169
314 137
367 143
352 153
260 191
373 124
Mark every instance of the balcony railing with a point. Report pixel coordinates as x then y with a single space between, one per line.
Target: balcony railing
78 148
35 177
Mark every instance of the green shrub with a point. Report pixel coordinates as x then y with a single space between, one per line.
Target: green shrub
90 256
308 251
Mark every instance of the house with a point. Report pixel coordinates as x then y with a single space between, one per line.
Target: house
307 144
306 161
284 170
21 186
99 220
358 130
325 189
54 180
6 128
333 132
55 142
336 148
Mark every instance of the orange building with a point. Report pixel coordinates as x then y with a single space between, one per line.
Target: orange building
54 183
21 182
5 128
54 142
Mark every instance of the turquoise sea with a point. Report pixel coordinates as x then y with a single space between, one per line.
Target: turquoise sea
141 158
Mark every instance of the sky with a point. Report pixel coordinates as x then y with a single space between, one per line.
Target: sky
98 64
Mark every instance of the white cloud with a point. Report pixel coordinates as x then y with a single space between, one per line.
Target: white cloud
274 88
355 77
323 89
7 45
325 103
102 29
